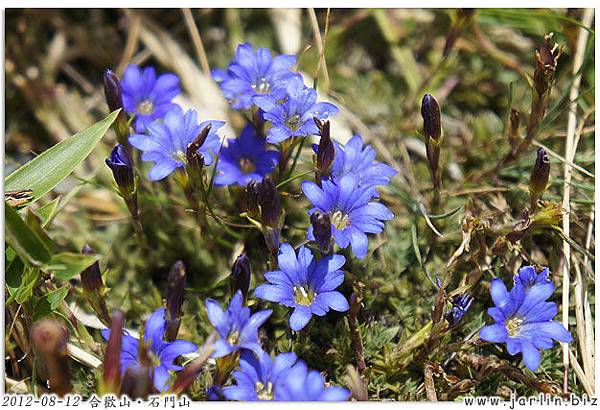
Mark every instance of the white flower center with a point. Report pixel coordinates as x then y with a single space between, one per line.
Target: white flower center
264 392
513 326
233 337
247 166
303 296
339 220
262 87
145 107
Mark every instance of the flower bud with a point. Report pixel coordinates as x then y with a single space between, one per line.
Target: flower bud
93 286
249 199
321 224
240 276
91 278
175 296
111 378
195 160
114 100
121 165
430 111
539 176
325 152
49 339
268 199
112 90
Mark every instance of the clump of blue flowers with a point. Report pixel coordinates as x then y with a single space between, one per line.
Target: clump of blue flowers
146 96
523 316
162 353
280 378
305 284
253 73
294 114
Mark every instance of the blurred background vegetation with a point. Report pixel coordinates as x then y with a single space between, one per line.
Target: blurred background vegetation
377 65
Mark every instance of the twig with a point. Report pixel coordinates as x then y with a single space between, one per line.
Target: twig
196 39
321 43
570 149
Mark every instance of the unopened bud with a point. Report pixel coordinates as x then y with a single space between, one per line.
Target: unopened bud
93 286
321 224
539 176
121 165
268 199
195 160
461 305
49 339
111 378
91 278
112 90
249 199
326 150
137 382
240 275
430 111
175 296
114 100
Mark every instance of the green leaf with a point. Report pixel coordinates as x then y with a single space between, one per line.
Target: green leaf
66 265
24 240
12 279
48 211
56 297
49 168
25 290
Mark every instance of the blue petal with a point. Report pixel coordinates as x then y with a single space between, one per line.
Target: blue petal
175 349
299 318
154 329
217 317
335 300
531 356
494 333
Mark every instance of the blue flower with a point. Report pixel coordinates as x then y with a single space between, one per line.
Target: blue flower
164 353
147 96
358 159
245 159
528 276
305 284
352 213
303 384
294 117
237 329
121 165
252 73
167 141
524 320
260 377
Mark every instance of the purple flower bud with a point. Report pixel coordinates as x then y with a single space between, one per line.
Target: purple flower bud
91 278
326 150
268 199
240 275
137 382
111 378
112 90
121 165
249 198
175 295
321 223
430 111
195 160
540 174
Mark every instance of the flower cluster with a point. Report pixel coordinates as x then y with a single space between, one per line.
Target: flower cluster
259 377
162 354
523 316
281 378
